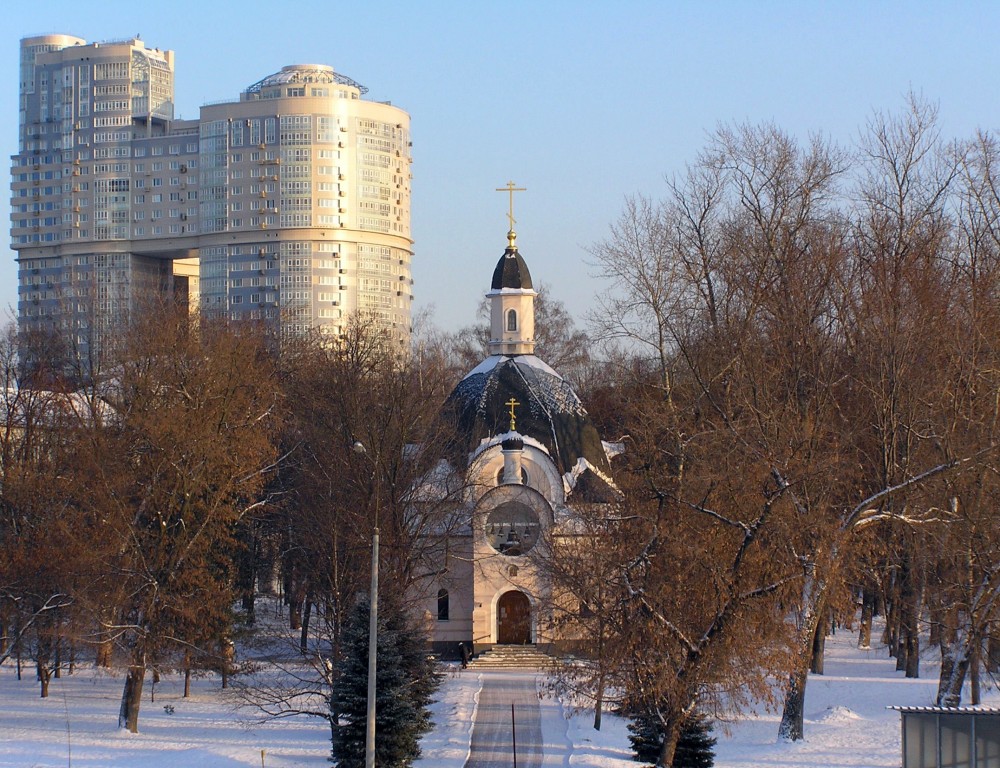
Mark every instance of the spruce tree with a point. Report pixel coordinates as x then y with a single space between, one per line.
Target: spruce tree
694 746
405 681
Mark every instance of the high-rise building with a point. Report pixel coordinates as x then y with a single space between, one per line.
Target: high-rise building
289 205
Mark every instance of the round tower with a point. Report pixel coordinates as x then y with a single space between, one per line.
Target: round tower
512 304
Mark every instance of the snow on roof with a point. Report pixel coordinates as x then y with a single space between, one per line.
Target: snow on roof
440 482
581 466
549 416
488 442
616 448
548 409
486 366
948 710
493 361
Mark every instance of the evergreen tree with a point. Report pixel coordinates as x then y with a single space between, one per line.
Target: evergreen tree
406 679
694 747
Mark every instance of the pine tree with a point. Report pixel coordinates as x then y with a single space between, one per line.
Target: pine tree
406 679
694 747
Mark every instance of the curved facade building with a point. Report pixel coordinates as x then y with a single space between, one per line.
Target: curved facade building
305 204
288 205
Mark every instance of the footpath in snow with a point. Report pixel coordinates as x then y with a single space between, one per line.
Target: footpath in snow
847 723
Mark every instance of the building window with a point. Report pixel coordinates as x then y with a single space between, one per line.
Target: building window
524 476
511 319
443 605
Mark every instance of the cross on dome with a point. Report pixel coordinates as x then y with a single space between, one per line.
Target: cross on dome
511 189
512 403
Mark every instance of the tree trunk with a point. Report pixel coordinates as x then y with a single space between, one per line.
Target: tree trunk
44 675
304 635
912 642
890 635
792 727
993 654
818 648
103 657
599 701
909 614
935 618
250 607
900 656
867 612
247 582
954 666
105 646
228 655
974 675
128 715
43 664
670 736
187 674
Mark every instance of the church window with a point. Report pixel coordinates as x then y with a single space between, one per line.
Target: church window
512 529
524 476
511 319
443 605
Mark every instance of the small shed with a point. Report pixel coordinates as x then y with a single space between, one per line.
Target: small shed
950 737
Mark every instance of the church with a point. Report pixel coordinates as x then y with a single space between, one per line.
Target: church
533 462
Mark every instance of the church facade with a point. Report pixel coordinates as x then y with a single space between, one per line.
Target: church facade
532 462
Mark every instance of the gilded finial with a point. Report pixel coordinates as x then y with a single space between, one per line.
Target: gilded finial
510 189
513 404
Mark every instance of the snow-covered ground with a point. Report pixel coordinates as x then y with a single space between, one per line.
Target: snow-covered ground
847 724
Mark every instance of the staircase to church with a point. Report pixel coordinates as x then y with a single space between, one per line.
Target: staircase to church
511 657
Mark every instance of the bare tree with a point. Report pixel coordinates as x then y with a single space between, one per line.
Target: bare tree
179 451
44 536
364 437
767 303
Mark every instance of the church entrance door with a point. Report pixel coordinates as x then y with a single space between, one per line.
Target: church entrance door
514 619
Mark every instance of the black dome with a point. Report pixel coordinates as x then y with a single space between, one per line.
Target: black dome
550 412
514 442
511 271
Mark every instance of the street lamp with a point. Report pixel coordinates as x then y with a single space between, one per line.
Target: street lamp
359 448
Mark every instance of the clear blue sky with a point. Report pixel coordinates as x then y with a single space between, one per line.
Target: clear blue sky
581 102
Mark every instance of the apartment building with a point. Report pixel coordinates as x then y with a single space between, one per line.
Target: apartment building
288 205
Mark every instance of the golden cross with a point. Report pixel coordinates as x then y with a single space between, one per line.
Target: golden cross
511 189
512 403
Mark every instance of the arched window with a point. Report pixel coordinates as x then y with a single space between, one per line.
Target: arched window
443 605
524 476
511 319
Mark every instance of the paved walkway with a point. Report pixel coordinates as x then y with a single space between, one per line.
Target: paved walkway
492 735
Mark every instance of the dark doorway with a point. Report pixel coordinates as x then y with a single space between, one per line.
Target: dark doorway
514 619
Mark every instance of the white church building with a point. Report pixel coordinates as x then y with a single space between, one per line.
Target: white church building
533 462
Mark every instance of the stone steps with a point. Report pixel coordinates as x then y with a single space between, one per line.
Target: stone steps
511 657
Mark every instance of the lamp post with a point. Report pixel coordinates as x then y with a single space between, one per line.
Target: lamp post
359 447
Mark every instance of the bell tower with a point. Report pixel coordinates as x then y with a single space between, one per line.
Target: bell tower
512 298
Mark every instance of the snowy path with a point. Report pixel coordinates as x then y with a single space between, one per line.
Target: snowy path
492 735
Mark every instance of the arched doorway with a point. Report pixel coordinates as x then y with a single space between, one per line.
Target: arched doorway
514 619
